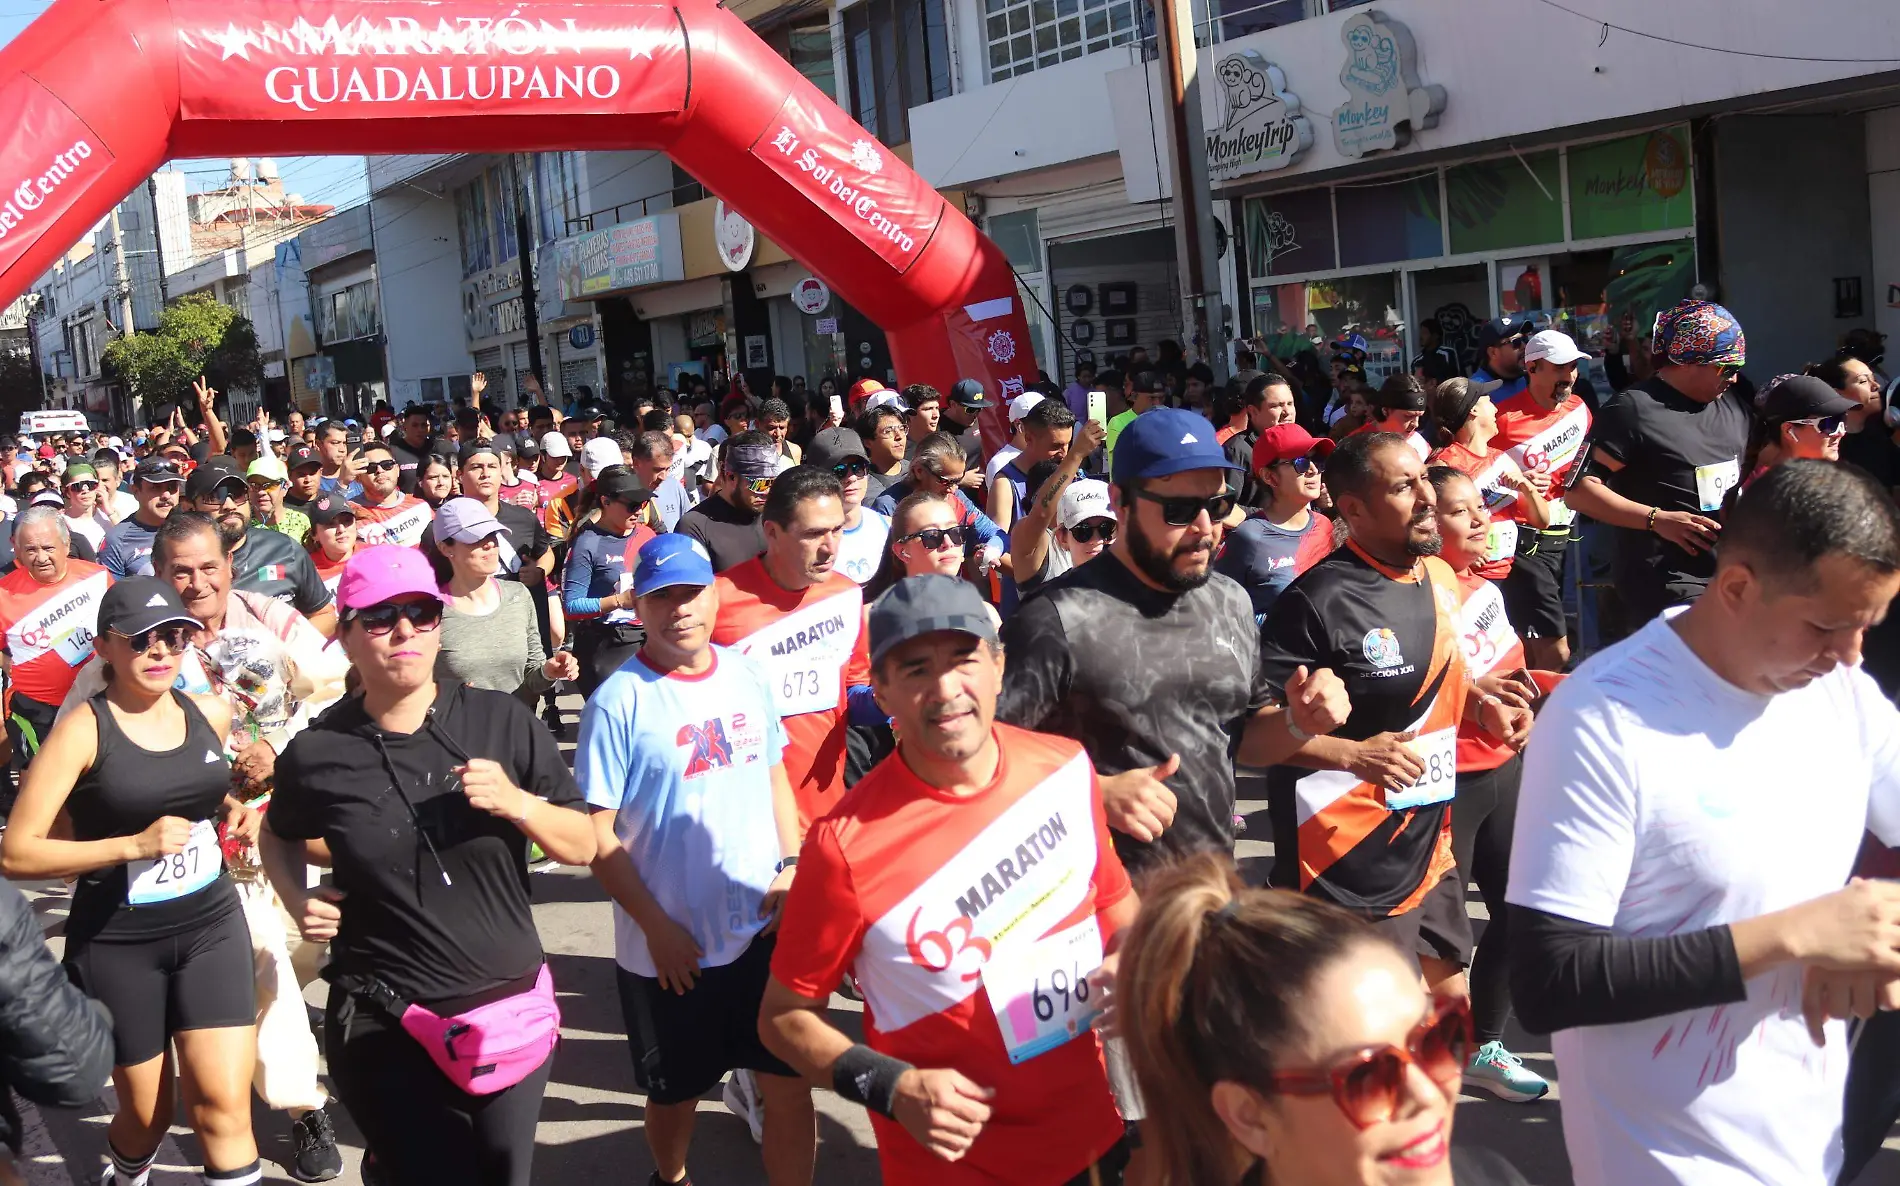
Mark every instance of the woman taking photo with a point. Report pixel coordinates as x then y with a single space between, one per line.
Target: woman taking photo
435 480
157 933
597 587
332 538
441 1021
1280 1041
1484 813
1467 421
489 636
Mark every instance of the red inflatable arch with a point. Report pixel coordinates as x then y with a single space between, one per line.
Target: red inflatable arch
96 94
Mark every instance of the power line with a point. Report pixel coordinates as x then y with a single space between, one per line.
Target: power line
1714 49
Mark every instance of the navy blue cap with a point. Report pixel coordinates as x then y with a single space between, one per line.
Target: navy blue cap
1167 441
927 604
668 560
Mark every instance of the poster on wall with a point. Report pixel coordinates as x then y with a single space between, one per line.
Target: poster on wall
756 354
1386 105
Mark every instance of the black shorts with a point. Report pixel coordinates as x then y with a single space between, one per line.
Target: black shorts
1534 588
683 1045
1437 927
200 979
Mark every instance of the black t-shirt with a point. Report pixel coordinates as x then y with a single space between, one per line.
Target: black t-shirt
1677 455
409 461
271 563
300 504
437 927
1393 638
1239 449
1136 674
731 536
1872 449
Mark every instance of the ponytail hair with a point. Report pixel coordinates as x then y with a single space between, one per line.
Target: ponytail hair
1214 979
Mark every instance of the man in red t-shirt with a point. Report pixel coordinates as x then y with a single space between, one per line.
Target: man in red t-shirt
384 514
803 621
969 884
49 614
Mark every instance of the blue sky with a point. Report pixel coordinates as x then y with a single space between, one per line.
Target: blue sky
327 180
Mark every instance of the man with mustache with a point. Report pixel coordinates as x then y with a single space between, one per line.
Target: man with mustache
1363 818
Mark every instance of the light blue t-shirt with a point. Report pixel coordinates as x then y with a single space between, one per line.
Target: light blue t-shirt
686 765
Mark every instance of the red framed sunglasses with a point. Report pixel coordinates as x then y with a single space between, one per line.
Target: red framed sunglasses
1367 1084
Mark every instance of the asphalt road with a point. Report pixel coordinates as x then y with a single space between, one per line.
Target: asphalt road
590 1121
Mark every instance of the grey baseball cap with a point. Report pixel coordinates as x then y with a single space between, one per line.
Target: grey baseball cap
916 606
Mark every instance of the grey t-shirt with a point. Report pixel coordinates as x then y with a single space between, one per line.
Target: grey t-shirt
500 651
1135 674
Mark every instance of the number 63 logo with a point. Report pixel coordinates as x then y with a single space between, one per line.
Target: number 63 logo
935 951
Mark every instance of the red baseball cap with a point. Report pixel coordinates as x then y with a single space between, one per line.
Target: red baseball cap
1284 442
864 389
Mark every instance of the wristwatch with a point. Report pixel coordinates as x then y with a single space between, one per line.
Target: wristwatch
783 865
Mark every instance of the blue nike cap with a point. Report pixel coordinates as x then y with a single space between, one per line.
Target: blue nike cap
669 560
1167 441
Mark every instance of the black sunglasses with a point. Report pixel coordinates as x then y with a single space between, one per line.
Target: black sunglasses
378 620
934 538
856 467
1305 465
1827 426
1085 532
377 467
176 636
1181 511
83 485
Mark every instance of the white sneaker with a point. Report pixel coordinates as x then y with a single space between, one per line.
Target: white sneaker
741 1096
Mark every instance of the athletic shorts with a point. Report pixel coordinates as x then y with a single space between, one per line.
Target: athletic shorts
1533 589
683 1045
198 979
1437 927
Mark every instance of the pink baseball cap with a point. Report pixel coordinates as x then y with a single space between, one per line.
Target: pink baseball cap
383 573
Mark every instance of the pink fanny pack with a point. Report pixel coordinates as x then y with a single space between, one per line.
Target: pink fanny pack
486 1049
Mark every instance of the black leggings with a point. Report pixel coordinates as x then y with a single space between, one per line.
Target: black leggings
423 1129
1482 817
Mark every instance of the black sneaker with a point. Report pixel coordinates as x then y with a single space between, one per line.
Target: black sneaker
556 725
656 1180
317 1158
368 1172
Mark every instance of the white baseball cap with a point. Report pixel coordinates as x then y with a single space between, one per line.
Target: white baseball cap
598 454
553 444
1082 501
1019 407
1552 346
887 398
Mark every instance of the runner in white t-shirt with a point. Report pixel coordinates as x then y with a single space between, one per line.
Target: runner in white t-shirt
1692 803
861 544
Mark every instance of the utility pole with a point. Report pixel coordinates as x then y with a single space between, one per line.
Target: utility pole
1193 201
530 316
158 244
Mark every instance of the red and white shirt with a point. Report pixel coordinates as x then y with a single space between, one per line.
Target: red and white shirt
50 628
1545 441
941 906
402 523
1487 472
812 645
1490 644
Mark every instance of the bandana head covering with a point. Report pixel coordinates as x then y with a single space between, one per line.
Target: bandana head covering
1700 333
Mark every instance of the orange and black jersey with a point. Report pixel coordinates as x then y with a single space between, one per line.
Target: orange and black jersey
1393 638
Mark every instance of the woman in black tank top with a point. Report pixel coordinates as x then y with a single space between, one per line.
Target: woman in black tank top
156 931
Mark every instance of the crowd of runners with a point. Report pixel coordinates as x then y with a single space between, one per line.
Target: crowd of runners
937 701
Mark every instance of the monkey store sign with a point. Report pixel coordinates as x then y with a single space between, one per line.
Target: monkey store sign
1386 105
1261 124
411 60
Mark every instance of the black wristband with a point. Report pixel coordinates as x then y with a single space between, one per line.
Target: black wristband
864 1076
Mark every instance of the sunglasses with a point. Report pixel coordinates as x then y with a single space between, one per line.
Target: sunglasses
857 467
1730 370
935 538
942 479
1088 531
378 620
265 484
1180 512
229 492
1827 426
1305 465
379 467
174 636
83 485
1368 1084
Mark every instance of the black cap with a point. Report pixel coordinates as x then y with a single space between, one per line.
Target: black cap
1499 330
592 410
158 469
137 604
1800 397
969 393
833 445
504 442
299 455
329 508
617 483
468 453
926 604
526 448
213 472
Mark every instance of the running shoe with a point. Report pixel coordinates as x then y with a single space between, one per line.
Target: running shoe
1240 824
1503 1074
552 716
371 1174
317 1158
538 861
656 1180
741 1095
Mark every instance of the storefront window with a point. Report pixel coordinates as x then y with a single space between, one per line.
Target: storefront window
1019 237
471 220
1290 233
1506 202
1025 35
1631 185
1386 221
1363 305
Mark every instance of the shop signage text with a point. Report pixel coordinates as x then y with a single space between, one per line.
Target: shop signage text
1385 103
630 255
1262 126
